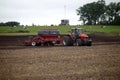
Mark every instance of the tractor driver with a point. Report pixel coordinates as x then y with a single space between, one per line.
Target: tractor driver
76 34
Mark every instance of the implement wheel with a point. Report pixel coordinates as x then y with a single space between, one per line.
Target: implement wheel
33 43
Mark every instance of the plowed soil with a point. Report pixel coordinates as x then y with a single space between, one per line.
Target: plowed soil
101 61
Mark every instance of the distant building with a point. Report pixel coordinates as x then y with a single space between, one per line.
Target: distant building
65 22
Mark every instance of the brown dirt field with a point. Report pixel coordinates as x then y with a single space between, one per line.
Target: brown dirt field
98 62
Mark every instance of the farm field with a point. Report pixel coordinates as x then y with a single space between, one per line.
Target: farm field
101 61
30 30
98 62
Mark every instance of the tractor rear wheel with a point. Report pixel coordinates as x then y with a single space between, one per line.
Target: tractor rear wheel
67 41
79 42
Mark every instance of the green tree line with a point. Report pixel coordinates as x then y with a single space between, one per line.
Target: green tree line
10 23
100 13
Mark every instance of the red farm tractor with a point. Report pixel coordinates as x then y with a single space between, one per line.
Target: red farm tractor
77 37
45 37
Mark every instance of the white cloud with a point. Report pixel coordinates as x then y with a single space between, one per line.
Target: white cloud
41 11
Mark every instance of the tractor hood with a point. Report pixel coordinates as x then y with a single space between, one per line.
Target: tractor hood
83 35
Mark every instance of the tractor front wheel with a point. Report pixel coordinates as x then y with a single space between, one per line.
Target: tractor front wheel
89 44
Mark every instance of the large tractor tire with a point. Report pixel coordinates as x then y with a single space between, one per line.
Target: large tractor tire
89 44
79 42
67 41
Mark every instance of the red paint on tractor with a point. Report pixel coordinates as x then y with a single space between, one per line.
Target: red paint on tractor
83 36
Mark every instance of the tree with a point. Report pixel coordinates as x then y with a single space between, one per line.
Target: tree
91 12
12 23
2 24
113 12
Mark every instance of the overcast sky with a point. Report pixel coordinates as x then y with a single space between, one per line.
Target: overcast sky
42 12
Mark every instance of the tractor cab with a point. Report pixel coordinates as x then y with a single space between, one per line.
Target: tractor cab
77 37
77 31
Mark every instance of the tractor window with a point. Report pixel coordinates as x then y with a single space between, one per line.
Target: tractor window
77 31
80 31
